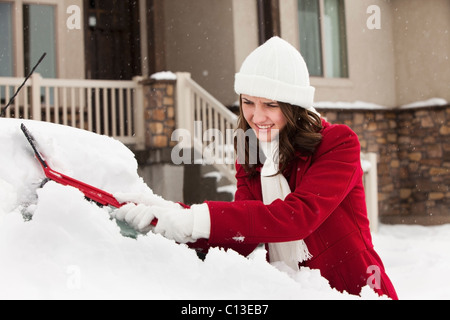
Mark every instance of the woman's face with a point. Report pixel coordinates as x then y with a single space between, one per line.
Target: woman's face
264 116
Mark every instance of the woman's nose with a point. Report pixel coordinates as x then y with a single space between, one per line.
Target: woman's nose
259 114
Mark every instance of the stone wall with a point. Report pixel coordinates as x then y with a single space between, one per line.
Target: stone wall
413 148
159 112
155 165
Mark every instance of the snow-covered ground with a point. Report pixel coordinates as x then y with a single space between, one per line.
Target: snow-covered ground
417 259
71 249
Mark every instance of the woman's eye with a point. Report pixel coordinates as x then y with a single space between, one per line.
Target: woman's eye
247 102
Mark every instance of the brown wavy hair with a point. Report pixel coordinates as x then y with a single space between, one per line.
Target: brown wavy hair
301 133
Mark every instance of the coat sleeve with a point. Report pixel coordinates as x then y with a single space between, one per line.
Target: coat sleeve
243 191
335 168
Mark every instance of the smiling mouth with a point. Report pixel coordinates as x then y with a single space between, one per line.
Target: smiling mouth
264 127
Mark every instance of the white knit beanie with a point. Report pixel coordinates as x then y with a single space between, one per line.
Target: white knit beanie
276 71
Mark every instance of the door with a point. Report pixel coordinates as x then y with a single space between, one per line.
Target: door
112 39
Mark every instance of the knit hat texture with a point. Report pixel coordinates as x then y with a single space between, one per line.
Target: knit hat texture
276 71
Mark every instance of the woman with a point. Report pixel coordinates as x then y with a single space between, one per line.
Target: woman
303 197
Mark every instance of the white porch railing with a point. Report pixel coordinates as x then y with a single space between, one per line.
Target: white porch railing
211 123
370 179
113 108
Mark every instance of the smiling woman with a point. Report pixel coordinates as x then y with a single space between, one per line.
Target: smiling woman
264 116
303 199
300 130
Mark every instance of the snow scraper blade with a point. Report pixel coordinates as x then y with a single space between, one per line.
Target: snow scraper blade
99 196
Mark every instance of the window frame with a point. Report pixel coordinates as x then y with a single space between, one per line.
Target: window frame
323 45
27 41
18 49
13 42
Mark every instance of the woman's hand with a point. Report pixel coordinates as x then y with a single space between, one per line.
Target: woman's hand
148 198
139 217
181 225
174 224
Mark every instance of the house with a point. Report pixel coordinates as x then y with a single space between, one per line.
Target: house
371 62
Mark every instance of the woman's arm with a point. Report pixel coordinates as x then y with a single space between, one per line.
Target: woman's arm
242 193
335 169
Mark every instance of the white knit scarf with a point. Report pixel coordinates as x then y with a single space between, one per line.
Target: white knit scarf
274 186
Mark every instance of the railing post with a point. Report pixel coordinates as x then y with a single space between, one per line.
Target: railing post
36 108
184 109
371 188
138 114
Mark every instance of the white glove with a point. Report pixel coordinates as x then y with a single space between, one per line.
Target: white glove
147 198
137 216
181 225
174 224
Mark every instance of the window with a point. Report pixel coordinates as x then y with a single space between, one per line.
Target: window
323 41
38 24
6 51
39 37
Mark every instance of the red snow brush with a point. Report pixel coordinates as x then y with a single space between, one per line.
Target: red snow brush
99 196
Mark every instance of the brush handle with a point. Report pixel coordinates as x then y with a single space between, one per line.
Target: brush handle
99 196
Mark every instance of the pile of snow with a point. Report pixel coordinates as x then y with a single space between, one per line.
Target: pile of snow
164 75
433 102
71 249
360 105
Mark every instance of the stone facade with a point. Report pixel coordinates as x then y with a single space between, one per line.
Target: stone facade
159 112
155 165
413 149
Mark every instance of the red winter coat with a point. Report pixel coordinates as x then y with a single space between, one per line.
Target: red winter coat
326 208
